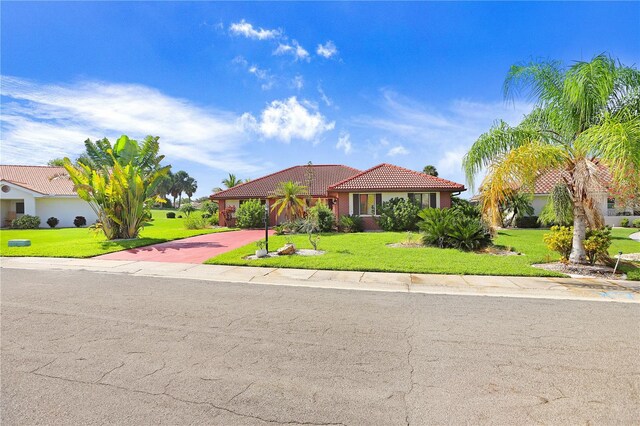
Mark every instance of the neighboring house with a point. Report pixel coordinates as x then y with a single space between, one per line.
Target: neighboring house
606 203
40 191
346 190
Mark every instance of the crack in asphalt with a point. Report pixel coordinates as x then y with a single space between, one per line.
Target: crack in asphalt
187 401
411 367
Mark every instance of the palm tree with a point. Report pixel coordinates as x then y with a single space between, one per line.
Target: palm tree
289 199
584 115
190 186
430 170
229 182
180 179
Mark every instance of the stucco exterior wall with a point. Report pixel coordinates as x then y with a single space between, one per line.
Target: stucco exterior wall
64 209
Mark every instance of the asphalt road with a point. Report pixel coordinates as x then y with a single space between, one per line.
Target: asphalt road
88 348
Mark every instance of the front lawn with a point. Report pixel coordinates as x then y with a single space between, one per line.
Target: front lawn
369 252
82 242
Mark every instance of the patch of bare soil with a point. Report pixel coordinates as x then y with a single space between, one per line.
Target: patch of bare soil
632 257
499 251
406 245
582 271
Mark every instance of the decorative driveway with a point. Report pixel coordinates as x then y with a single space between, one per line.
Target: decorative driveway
189 250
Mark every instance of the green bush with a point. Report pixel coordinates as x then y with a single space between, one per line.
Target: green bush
398 214
187 209
624 222
214 220
250 214
53 222
171 215
79 221
636 223
560 239
26 222
596 244
209 207
350 223
323 216
449 228
465 208
527 222
195 221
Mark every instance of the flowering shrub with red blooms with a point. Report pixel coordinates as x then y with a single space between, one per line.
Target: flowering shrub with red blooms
627 191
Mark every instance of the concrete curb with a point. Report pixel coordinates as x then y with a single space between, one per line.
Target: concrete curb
585 289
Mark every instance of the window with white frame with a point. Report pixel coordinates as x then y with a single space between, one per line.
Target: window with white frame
424 199
366 204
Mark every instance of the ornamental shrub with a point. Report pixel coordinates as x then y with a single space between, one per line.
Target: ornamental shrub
560 239
52 222
187 209
209 207
323 216
250 214
398 214
26 222
636 223
624 222
171 215
596 244
195 221
450 228
79 221
351 223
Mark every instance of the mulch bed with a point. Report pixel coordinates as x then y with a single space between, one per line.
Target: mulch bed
581 271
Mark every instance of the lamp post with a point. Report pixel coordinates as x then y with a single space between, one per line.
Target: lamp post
266 225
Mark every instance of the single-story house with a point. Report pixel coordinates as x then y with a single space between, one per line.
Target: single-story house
347 191
606 203
40 191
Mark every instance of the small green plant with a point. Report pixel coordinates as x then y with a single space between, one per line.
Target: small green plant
279 229
187 209
261 244
351 223
214 220
410 238
450 228
195 221
560 240
636 223
209 207
624 222
79 221
26 222
250 214
53 222
311 227
596 244
171 215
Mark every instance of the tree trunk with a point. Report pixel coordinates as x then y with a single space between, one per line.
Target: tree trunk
578 254
179 200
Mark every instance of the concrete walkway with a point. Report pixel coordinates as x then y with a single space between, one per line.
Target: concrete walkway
589 289
189 250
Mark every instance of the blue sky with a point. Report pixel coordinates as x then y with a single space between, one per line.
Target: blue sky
251 88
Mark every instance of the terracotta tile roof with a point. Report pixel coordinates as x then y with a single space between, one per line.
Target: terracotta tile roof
38 179
263 187
387 177
546 181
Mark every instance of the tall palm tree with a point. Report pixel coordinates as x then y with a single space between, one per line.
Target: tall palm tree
430 170
584 115
229 182
289 199
180 179
190 186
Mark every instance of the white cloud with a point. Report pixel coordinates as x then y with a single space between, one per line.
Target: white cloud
263 76
288 119
297 82
244 28
294 49
438 136
327 101
344 142
327 50
43 121
397 150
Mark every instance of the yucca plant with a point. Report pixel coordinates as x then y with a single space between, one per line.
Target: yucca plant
584 116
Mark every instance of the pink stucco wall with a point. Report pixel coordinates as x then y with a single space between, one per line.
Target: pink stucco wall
445 200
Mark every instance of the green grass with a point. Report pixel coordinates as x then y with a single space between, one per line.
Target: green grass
82 242
369 252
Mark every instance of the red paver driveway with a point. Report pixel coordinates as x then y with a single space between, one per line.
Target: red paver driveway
189 250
